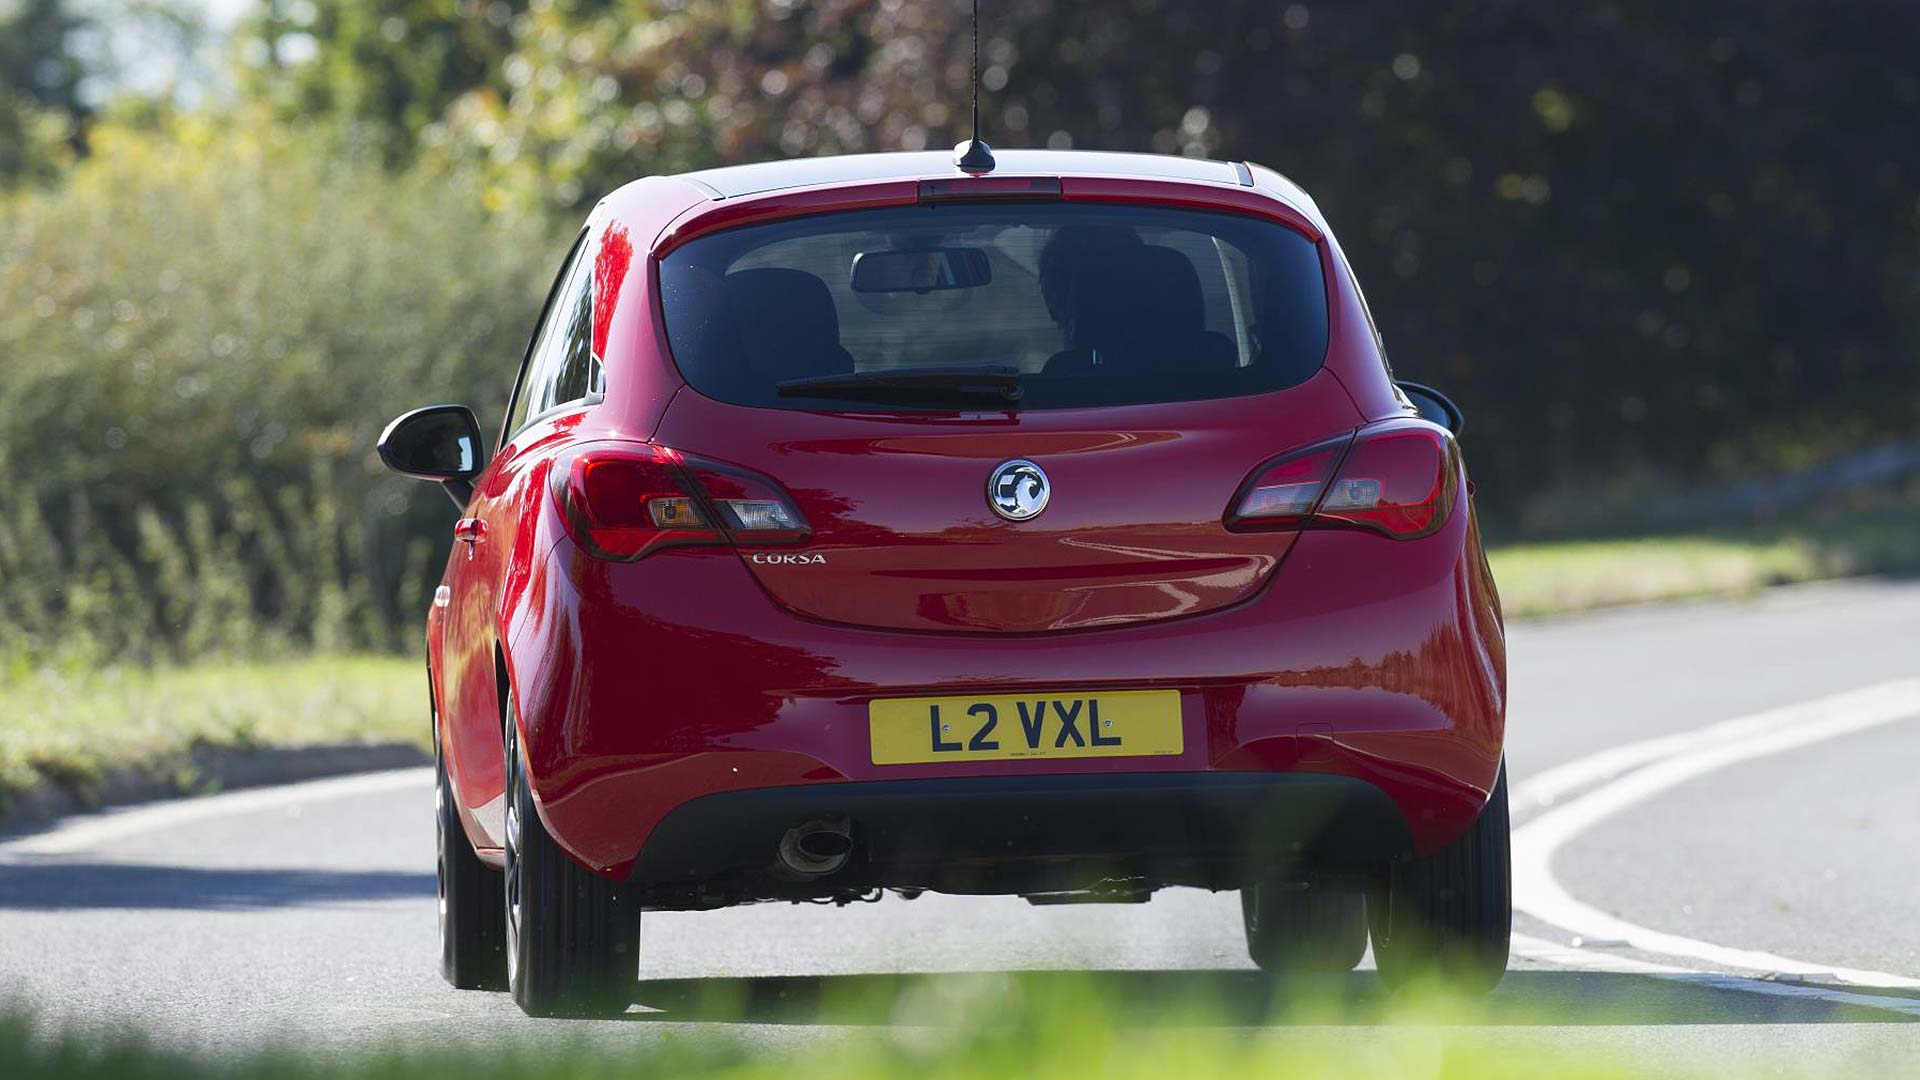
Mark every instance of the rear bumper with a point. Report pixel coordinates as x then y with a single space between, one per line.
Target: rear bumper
997 834
644 687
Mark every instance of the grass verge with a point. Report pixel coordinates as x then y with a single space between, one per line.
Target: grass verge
1573 575
72 727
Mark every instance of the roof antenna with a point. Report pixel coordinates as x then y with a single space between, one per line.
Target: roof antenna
973 156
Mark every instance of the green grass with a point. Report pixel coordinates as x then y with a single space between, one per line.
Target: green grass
1573 575
989 1027
72 726
1551 578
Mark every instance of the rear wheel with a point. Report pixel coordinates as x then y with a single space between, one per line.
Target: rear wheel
573 937
1304 931
1446 918
473 952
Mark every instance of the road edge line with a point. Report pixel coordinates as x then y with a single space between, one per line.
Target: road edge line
1537 892
92 830
1543 951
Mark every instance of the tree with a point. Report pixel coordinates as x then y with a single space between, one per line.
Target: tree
42 114
386 69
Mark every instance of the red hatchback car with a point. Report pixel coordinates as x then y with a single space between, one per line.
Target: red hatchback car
860 524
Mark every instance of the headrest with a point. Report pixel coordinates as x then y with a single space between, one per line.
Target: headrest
1174 285
786 323
1072 258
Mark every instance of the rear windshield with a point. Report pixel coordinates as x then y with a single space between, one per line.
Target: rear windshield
1063 304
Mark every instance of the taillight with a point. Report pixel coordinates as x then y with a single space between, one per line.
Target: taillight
625 501
1398 479
1283 493
752 510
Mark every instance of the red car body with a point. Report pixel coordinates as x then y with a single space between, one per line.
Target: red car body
678 711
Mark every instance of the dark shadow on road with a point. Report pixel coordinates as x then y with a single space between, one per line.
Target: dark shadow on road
1228 998
59 885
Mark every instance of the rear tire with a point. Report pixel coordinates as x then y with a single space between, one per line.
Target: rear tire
573 937
1304 931
1447 918
473 951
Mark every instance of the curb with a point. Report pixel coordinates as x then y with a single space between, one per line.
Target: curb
202 771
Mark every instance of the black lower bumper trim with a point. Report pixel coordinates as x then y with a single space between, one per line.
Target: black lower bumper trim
1025 834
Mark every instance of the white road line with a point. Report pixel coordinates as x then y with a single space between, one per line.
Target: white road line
1534 948
1666 763
1546 788
101 830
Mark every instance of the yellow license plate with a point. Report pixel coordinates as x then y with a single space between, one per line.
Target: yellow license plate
1016 727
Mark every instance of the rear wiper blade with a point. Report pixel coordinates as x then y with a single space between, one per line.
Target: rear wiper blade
912 384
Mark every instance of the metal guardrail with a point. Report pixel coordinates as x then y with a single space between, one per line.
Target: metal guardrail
1881 466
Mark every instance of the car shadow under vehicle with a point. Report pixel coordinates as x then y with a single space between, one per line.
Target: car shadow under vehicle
65 885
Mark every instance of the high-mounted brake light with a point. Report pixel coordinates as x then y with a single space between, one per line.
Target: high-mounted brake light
625 501
990 187
1398 479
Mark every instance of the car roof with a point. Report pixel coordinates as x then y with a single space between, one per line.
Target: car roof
655 203
735 181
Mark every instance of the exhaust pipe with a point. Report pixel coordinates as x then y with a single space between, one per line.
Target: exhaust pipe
817 847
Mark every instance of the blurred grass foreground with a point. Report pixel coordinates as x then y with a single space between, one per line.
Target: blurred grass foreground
989 1026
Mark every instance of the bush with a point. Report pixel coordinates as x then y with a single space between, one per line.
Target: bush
204 332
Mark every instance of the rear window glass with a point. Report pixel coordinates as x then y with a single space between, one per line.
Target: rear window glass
1076 304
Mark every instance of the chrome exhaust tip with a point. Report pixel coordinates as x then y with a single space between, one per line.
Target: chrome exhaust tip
817 847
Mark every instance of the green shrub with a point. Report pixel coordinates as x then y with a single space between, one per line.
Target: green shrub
201 334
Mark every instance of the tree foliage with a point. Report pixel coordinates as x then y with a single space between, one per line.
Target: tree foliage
40 78
1632 237
386 70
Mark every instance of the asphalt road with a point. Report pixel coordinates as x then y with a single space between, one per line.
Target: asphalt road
307 913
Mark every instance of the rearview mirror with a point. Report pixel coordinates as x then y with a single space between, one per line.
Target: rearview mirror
920 270
439 442
1434 406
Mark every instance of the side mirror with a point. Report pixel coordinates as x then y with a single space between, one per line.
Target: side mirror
1434 406
439 442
